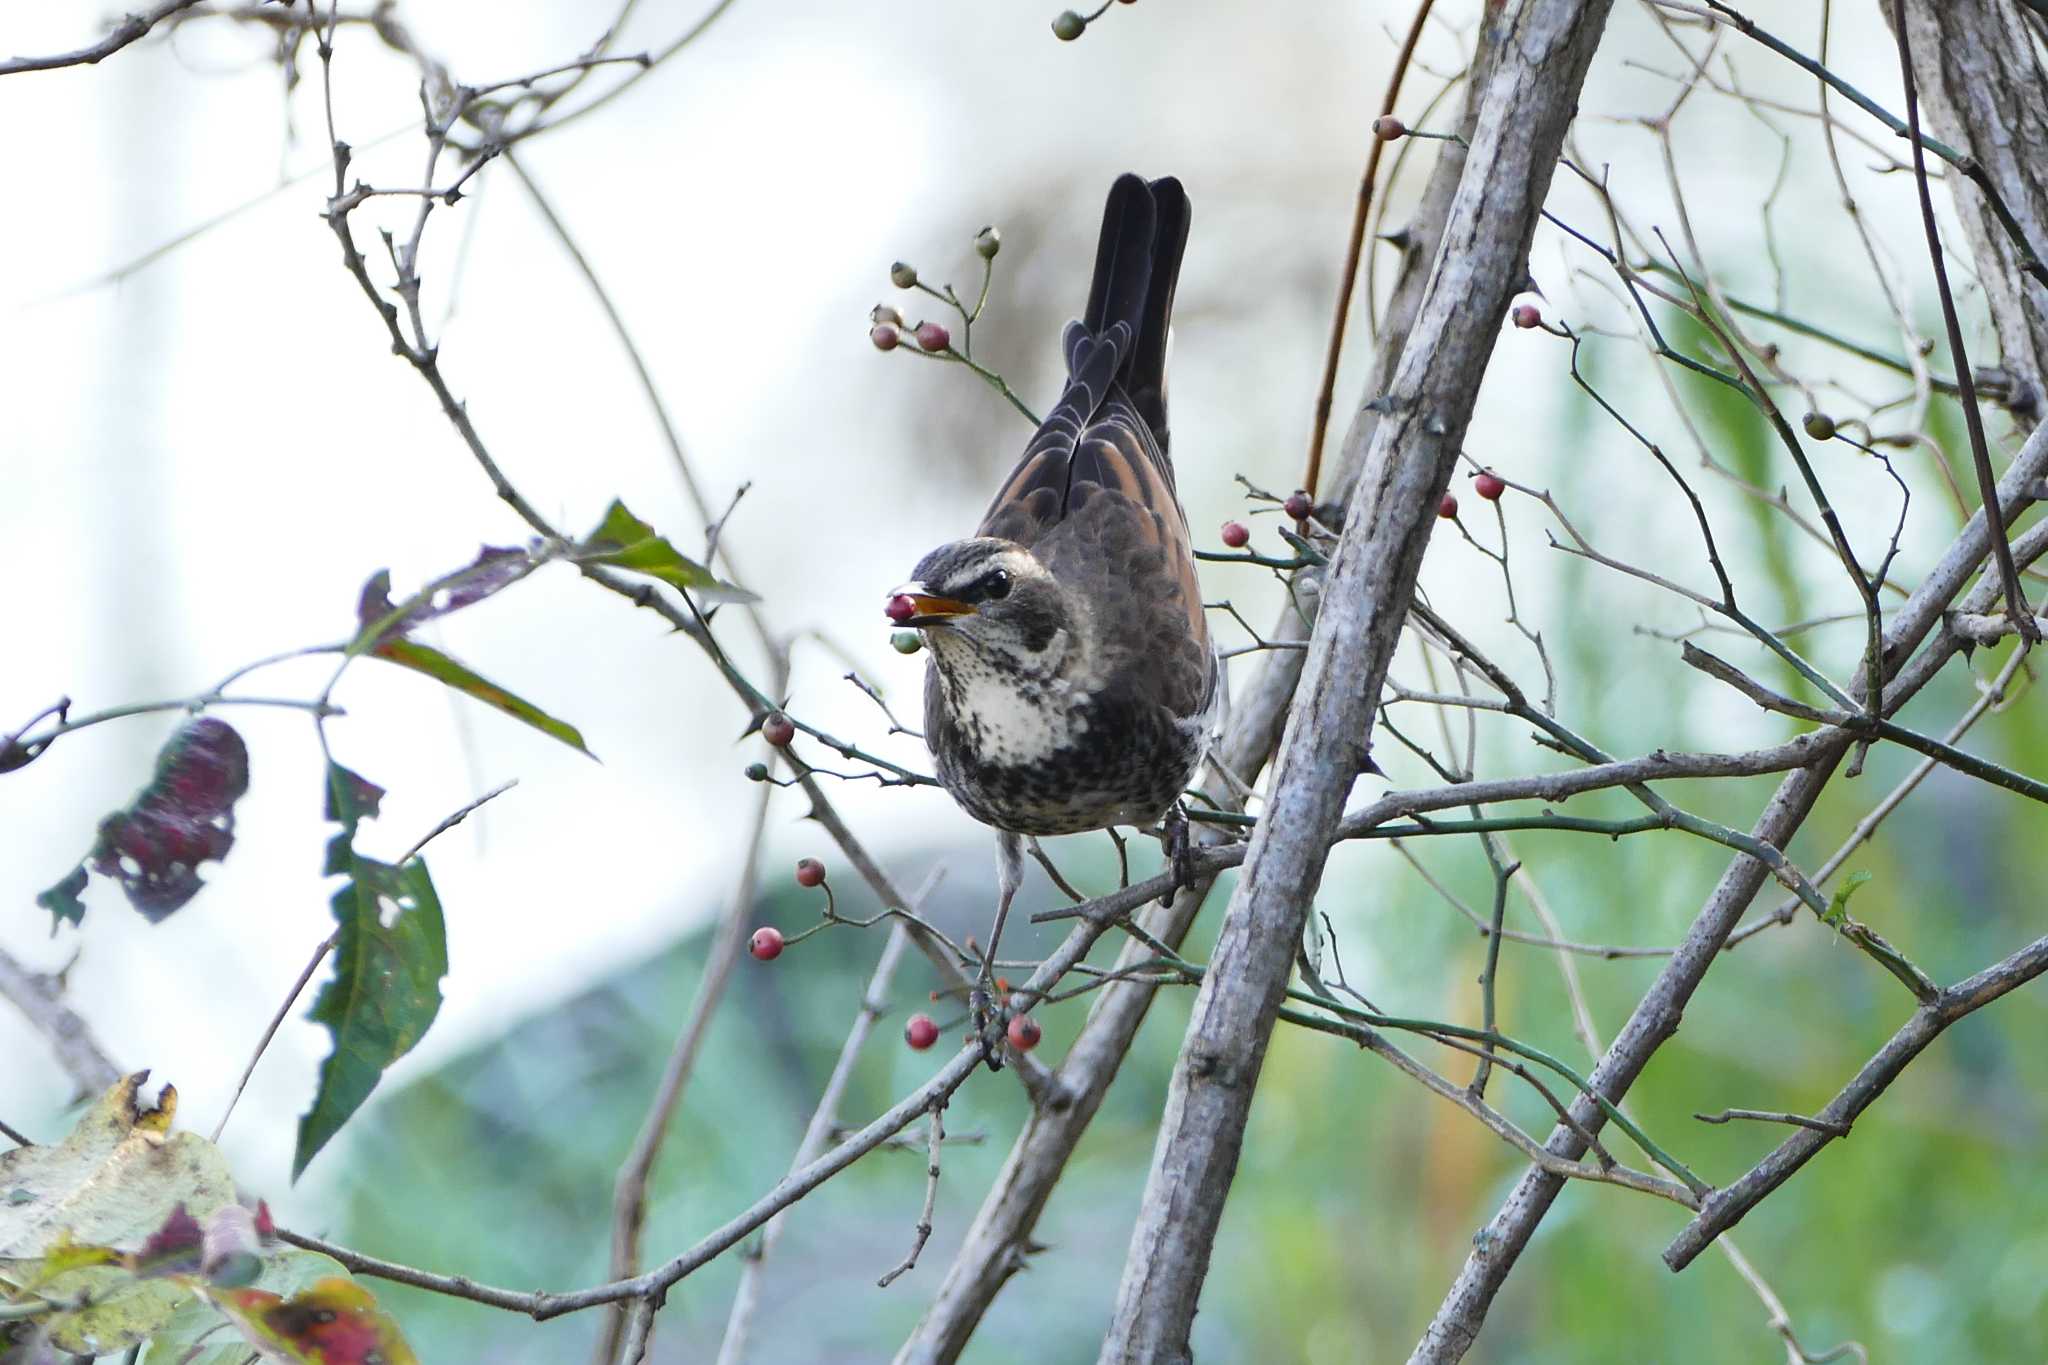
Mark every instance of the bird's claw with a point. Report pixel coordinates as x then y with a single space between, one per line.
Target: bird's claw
1180 852
987 1022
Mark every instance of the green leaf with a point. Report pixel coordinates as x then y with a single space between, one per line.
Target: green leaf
440 667
1838 906
62 899
390 954
624 541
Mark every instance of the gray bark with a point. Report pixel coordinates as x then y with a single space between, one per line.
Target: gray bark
1984 91
998 1242
1496 1246
1981 78
1529 99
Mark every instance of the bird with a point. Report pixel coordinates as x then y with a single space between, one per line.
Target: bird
1072 684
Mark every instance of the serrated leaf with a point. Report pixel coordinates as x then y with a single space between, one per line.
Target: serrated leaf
624 541
1838 905
390 953
452 673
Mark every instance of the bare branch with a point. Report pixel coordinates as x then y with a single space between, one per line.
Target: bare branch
1725 1208
1529 99
130 29
40 998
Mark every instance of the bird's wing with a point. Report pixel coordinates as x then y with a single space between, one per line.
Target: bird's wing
1123 546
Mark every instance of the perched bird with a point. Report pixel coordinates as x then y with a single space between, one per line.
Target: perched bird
1072 684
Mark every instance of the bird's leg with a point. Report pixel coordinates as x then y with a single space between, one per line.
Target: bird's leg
1179 849
987 1018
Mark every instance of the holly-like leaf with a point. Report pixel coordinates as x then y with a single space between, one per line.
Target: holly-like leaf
443 669
111 1186
334 1322
624 541
390 954
495 568
184 817
1838 905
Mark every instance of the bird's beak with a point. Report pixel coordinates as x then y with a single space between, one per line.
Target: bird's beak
912 605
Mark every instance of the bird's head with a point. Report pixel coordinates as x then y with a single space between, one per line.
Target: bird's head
987 600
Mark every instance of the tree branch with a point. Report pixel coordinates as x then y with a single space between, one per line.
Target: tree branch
1726 1207
1529 100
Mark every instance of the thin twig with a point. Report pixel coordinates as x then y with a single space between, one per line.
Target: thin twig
923 1232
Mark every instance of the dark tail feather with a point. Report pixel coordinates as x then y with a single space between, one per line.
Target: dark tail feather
1137 264
1123 259
1146 381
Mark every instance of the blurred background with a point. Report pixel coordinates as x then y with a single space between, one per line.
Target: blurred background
206 451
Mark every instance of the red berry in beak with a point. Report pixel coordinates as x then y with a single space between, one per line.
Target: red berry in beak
900 608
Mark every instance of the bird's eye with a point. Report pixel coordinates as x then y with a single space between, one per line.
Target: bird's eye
995 585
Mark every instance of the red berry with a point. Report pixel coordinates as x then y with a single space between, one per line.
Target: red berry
1235 535
1448 508
1527 315
1024 1032
920 1032
1299 506
933 336
900 608
810 872
778 729
1489 486
766 943
885 337
1387 128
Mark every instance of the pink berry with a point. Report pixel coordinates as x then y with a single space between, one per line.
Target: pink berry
1387 128
900 608
1448 508
1489 486
1235 535
810 872
920 1032
885 337
933 336
778 729
766 943
1024 1032
1299 506
1527 315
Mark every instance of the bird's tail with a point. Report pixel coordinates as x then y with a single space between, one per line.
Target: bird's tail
1137 265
